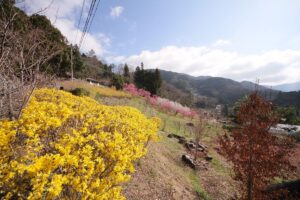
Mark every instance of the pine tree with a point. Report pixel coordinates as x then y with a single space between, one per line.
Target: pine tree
138 77
157 80
126 74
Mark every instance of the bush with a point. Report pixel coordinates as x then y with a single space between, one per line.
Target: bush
118 82
80 92
68 147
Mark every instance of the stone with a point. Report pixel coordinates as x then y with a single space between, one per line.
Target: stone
189 161
182 141
190 145
208 158
190 124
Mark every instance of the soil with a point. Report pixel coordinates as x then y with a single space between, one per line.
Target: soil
157 177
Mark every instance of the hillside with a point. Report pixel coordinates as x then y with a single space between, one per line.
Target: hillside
161 174
225 91
288 99
75 127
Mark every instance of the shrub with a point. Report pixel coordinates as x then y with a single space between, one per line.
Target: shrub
80 92
118 82
70 147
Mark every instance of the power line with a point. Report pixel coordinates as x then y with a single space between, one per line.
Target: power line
87 22
87 26
79 22
93 15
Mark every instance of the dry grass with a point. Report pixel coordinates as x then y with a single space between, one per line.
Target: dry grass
161 173
95 91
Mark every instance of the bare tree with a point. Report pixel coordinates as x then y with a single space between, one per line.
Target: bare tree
22 54
198 134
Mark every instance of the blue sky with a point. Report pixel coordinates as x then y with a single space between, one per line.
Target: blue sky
251 26
238 39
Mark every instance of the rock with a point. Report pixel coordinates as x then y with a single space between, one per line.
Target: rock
190 124
189 161
172 135
182 141
208 158
200 149
201 146
190 145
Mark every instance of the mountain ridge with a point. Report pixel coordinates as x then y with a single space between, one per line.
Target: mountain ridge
225 90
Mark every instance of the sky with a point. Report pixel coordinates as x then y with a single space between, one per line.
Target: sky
237 39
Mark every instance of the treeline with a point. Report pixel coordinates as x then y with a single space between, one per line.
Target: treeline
33 53
149 80
30 48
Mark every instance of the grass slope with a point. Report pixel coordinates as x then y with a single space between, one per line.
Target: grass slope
161 174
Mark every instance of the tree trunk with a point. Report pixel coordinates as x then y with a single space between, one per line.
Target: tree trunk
249 187
10 106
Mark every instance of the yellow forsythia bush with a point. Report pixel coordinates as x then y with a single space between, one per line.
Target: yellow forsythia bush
68 147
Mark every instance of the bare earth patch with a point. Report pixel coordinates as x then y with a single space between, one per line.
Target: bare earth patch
161 175
157 177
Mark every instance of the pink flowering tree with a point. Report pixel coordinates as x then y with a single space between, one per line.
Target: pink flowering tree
161 103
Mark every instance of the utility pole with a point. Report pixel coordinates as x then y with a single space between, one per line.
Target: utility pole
71 59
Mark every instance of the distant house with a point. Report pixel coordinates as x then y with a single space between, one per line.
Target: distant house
93 81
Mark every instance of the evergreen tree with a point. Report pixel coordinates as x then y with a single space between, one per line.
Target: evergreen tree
147 79
157 80
126 73
138 77
142 66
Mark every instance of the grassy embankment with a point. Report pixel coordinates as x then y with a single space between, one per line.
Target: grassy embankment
161 173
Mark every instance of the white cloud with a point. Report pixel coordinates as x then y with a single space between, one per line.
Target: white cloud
221 43
271 67
64 14
116 12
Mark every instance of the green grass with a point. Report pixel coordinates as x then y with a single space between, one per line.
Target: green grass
197 186
170 123
218 166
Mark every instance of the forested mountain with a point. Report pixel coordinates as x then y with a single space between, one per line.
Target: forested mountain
227 91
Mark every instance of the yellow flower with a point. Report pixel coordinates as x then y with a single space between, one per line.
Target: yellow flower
71 146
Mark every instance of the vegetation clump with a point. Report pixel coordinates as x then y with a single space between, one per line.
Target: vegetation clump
64 146
80 92
257 155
